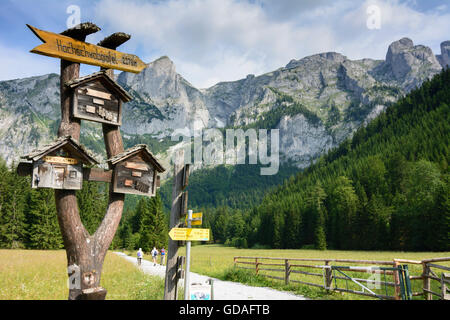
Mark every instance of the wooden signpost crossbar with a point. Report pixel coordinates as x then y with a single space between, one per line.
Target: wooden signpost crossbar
70 49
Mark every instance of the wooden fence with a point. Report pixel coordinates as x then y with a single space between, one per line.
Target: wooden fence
429 274
305 271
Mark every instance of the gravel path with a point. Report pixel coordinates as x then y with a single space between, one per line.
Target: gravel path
223 290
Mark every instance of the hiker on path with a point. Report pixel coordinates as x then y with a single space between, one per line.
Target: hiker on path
163 256
140 254
154 255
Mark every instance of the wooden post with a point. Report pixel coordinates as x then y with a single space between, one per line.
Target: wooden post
444 287
397 281
85 252
287 271
181 261
426 281
77 241
256 266
328 276
171 281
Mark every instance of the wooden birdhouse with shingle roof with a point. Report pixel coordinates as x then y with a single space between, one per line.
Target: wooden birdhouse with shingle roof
97 97
136 171
58 165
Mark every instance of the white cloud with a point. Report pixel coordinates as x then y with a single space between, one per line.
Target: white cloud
224 40
227 39
210 40
19 63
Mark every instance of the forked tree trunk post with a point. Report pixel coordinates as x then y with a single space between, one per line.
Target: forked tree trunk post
85 252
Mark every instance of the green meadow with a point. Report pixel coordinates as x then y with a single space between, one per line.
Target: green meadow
42 275
218 261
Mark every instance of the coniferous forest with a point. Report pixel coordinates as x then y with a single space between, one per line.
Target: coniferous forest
28 216
386 188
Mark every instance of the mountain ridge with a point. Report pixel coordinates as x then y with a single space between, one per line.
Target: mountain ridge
342 93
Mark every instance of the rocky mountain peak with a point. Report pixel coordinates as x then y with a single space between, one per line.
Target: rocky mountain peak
330 56
444 57
163 64
316 101
403 58
159 80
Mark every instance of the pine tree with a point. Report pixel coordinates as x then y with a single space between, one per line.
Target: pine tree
145 225
343 206
315 204
13 192
160 232
44 232
423 186
92 204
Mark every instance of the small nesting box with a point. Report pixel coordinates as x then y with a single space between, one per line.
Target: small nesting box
136 171
97 97
58 165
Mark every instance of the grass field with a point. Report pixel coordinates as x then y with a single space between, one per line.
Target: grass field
42 275
217 261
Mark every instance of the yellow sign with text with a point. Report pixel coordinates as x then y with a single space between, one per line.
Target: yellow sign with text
63 47
60 160
196 219
189 234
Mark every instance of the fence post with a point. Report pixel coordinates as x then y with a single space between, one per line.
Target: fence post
256 266
287 269
397 281
426 281
444 288
328 276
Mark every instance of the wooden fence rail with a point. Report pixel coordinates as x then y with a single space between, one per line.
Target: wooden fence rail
291 266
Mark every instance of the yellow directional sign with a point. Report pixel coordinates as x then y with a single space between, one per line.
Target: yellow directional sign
189 234
196 219
58 46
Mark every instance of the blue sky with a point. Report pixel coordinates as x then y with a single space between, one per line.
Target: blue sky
223 40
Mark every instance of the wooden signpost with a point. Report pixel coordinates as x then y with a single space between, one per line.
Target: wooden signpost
86 252
176 213
70 49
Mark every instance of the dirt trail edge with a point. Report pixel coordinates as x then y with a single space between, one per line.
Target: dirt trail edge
223 290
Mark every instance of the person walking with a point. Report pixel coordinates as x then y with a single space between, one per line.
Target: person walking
140 254
163 256
154 255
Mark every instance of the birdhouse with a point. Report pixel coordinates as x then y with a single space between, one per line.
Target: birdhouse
58 165
97 97
136 171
